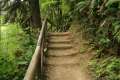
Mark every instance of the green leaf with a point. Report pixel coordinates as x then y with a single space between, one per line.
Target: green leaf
110 2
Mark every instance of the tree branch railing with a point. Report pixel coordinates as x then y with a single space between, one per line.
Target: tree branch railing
35 68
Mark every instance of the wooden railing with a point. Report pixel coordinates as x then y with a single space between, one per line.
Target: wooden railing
35 68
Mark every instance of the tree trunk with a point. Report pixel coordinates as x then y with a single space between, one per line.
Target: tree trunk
35 11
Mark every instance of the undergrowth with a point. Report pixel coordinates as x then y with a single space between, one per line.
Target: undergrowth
16 49
106 63
107 68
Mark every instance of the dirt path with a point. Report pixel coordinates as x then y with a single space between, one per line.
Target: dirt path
86 52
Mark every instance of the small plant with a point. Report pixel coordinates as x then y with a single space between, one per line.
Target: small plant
106 68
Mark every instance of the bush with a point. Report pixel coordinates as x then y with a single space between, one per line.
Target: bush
16 49
106 68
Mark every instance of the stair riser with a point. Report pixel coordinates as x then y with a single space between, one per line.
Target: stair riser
60 42
60 45
63 48
63 38
61 54
63 64
59 33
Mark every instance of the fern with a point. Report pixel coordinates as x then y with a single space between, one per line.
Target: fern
110 2
116 30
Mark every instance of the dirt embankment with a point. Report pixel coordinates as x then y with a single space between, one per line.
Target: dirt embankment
86 52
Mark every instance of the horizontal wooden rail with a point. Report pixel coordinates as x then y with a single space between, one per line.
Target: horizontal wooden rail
37 58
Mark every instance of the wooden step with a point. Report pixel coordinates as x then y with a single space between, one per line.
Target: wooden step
59 52
59 46
62 72
59 33
62 60
60 41
61 38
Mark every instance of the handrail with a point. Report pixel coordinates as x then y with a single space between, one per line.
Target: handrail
37 58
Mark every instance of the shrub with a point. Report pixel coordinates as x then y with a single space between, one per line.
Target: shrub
106 68
16 49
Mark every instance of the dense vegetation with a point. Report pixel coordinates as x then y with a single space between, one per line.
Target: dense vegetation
16 50
99 20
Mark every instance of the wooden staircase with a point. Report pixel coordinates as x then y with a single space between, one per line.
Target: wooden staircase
61 57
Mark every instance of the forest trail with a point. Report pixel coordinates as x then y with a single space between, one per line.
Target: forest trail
63 59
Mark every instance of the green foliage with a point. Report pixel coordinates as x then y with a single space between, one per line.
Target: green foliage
106 68
59 14
16 49
100 22
24 12
110 2
116 30
7 68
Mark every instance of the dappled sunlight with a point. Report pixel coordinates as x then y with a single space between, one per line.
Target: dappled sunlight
3 28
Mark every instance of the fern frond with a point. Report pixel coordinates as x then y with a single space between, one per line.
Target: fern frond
110 2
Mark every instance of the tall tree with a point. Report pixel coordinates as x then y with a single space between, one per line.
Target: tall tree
26 12
35 12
